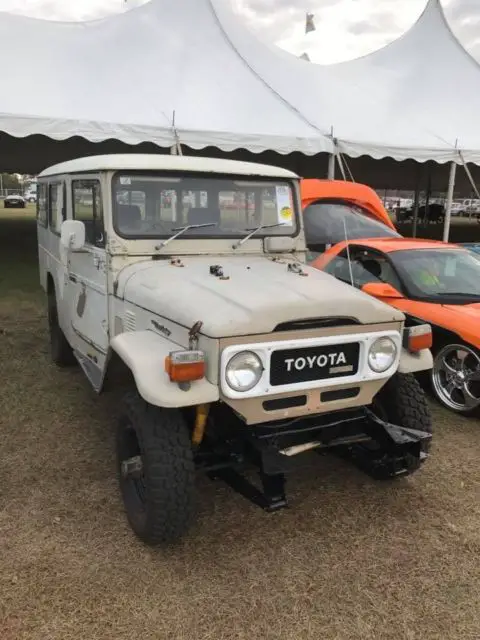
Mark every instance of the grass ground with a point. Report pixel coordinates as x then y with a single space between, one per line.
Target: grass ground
350 560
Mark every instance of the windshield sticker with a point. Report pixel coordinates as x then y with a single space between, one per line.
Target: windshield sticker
124 180
284 206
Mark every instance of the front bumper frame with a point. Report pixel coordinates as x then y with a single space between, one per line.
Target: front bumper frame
381 449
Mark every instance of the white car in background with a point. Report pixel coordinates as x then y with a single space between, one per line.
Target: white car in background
31 196
14 201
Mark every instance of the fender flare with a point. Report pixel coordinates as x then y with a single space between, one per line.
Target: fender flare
144 353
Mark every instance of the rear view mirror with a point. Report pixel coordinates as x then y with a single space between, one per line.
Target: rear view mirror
381 290
72 235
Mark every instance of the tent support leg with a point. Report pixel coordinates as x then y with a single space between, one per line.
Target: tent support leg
448 207
416 205
331 167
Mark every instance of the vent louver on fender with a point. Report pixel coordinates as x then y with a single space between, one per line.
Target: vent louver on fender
129 321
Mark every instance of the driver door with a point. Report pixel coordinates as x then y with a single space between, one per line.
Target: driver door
86 282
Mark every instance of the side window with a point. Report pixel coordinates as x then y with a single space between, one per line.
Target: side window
339 268
56 207
42 204
87 207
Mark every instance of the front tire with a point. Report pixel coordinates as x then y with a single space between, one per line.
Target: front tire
156 470
402 401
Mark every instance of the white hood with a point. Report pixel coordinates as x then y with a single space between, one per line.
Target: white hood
258 295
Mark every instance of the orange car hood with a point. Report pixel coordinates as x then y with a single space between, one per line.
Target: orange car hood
464 320
312 189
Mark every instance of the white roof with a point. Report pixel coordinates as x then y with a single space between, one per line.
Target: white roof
124 78
151 162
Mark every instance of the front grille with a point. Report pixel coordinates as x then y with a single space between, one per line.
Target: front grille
339 394
315 323
284 403
292 366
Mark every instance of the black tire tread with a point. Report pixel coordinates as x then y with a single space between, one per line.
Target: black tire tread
168 468
406 404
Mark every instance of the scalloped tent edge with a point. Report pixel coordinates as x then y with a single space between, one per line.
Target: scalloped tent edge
218 86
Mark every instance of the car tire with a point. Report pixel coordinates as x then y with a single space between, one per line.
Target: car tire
439 379
61 352
6 205
402 401
158 496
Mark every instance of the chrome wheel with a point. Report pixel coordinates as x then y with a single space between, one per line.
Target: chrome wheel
456 377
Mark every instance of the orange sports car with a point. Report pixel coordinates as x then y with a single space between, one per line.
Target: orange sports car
429 281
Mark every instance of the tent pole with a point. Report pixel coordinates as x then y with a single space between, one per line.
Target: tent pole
416 206
331 166
448 208
416 201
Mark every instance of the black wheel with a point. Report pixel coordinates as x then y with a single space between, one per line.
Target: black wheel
402 401
6 205
60 350
157 471
455 377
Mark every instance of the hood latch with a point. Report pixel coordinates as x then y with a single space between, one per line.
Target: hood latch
193 335
217 271
294 267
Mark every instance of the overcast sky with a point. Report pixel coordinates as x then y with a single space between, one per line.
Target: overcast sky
345 29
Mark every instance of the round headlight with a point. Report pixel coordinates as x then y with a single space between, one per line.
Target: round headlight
243 371
382 354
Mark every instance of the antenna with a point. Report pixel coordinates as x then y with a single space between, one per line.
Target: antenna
348 252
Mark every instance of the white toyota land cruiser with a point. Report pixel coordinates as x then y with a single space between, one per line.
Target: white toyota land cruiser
184 280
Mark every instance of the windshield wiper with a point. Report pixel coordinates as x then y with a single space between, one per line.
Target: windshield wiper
181 230
254 231
458 294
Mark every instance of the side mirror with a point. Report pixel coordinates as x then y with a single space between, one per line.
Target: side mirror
381 290
72 235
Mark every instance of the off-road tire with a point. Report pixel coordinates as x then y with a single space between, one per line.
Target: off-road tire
61 352
404 403
160 505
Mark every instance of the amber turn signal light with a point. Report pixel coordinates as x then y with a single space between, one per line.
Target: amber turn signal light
185 366
418 338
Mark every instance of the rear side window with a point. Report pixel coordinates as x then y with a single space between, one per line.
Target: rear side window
56 206
42 204
87 207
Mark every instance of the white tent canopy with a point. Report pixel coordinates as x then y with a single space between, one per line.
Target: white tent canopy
398 101
124 77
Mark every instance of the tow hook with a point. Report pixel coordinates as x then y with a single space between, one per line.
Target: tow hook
132 468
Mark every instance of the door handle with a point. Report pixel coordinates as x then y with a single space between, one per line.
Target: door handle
72 278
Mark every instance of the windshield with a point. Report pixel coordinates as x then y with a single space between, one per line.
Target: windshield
324 224
154 206
437 273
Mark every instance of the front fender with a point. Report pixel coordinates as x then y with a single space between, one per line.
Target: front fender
144 353
414 362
